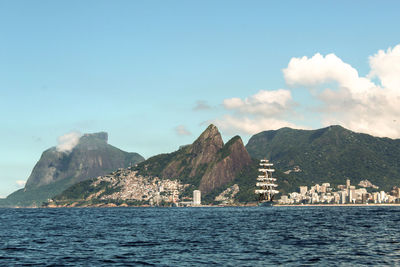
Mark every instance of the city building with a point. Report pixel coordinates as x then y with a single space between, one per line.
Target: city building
303 190
343 197
346 194
196 197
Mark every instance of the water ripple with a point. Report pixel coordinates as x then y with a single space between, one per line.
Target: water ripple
322 236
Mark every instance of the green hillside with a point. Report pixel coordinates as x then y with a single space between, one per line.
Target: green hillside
331 154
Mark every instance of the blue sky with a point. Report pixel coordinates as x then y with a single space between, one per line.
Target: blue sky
154 74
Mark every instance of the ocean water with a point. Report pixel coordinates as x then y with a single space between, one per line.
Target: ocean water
242 236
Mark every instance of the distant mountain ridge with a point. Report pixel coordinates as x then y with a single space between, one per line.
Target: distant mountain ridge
332 154
301 157
57 170
207 164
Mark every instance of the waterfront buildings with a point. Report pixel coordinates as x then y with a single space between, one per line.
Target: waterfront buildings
303 190
345 194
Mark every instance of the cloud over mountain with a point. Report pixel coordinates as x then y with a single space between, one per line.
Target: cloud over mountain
68 141
20 183
268 103
263 110
232 124
357 103
369 104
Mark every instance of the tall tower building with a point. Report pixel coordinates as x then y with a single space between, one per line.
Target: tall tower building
352 195
196 197
348 183
342 197
364 198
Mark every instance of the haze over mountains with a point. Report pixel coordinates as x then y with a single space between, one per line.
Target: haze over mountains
301 157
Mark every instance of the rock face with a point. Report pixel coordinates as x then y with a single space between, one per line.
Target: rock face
56 170
231 159
195 156
92 157
207 163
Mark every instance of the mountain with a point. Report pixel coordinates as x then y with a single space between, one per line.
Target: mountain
57 170
301 157
207 164
332 154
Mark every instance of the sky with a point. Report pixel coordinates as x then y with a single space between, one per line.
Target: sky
155 74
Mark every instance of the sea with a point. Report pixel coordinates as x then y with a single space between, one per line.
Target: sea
201 236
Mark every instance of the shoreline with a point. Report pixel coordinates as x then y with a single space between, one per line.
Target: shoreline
215 206
337 205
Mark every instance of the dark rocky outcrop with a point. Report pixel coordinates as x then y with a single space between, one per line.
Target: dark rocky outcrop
230 160
195 156
91 157
206 164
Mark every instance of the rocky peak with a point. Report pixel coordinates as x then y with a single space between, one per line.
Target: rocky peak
236 146
205 148
210 140
206 164
100 135
90 158
231 159
194 156
94 139
211 131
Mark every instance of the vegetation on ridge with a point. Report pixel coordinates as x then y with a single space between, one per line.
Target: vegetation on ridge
331 154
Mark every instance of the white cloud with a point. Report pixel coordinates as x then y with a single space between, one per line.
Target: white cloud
20 183
250 125
357 103
265 110
68 141
182 131
201 105
344 97
266 103
318 70
386 66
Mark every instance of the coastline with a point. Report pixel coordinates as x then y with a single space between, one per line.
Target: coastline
337 205
227 206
